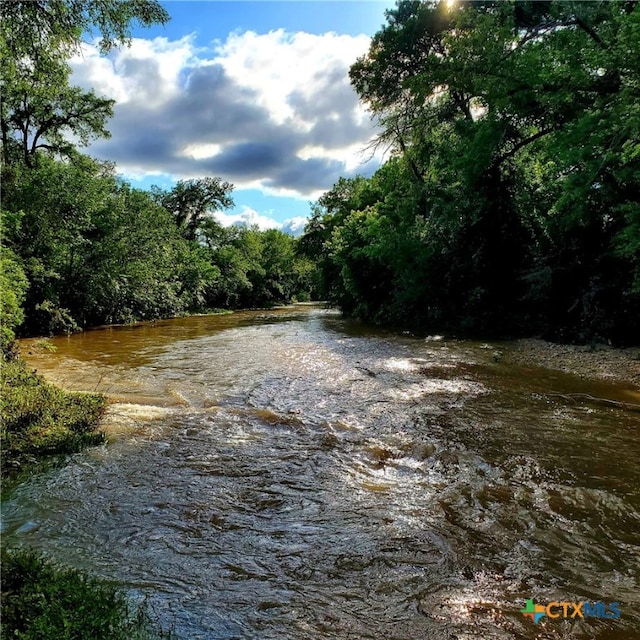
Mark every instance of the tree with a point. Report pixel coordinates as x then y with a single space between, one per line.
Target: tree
138 266
31 25
38 108
510 203
96 250
13 287
190 200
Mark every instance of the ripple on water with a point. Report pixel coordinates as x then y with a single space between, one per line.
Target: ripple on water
291 475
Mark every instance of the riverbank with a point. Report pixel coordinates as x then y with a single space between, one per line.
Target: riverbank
43 600
601 362
40 420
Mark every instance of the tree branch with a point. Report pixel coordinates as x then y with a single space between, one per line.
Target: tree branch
523 143
587 29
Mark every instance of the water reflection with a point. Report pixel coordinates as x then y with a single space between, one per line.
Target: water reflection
292 475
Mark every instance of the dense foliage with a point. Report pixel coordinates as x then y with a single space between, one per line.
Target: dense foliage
95 250
80 246
511 200
42 601
13 286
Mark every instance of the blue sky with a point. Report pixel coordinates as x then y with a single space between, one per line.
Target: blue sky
212 19
256 93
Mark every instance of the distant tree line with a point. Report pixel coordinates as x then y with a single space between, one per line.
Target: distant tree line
80 246
510 203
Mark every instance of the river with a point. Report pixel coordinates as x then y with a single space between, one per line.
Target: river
290 474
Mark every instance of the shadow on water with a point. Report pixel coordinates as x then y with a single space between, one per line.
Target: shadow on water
288 474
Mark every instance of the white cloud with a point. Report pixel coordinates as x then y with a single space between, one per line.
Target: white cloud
146 73
278 64
249 217
272 111
295 226
199 151
352 156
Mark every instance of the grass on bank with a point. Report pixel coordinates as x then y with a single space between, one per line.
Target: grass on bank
42 601
39 420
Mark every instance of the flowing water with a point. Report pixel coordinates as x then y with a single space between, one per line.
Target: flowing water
292 475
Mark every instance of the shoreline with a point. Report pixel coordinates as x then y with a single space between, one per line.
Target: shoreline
619 365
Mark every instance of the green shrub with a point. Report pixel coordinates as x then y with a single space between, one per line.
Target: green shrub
39 419
41 601
13 287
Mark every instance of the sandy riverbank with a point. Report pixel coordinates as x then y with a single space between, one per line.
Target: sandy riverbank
599 362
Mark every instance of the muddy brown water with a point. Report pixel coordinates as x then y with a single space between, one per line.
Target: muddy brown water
291 474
